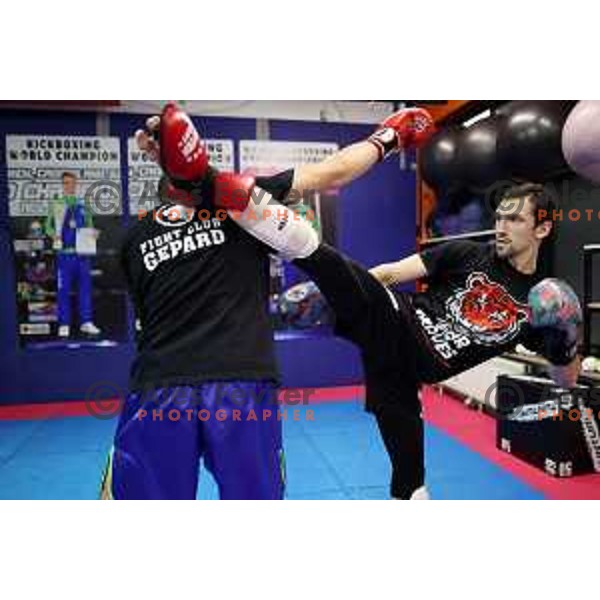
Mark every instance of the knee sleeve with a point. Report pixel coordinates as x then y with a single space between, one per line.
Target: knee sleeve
277 226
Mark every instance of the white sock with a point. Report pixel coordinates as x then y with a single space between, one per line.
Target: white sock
421 494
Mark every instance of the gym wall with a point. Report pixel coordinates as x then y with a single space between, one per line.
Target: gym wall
575 229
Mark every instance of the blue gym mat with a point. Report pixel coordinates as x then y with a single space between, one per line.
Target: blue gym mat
337 456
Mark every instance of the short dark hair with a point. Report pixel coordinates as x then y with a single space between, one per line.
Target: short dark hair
68 174
544 204
167 192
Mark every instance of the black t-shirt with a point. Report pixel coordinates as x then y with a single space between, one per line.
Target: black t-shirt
200 290
475 308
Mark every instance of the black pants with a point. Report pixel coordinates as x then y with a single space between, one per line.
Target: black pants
403 436
366 315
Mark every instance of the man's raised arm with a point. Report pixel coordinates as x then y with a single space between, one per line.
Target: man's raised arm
405 129
403 271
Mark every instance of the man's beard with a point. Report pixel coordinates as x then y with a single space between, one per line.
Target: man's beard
504 250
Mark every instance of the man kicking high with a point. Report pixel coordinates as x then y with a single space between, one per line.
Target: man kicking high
481 301
475 308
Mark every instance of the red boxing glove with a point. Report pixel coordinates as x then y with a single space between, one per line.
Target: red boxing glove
407 128
233 191
183 155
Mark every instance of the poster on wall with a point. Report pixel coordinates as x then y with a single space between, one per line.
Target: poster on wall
144 174
65 206
296 304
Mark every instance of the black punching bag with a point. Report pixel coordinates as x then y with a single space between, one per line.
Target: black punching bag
439 162
478 153
529 139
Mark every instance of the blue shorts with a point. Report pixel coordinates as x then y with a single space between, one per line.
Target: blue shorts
235 427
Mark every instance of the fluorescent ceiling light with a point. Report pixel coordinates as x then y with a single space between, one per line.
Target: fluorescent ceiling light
484 115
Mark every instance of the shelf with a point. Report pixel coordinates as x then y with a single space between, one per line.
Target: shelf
461 236
534 361
592 307
538 361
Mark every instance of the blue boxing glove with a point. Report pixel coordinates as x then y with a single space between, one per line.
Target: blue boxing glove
554 303
557 346
554 319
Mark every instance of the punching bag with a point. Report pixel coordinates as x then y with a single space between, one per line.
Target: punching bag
581 140
439 162
529 139
478 153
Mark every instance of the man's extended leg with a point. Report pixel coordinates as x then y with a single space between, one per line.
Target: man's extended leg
279 227
365 314
343 285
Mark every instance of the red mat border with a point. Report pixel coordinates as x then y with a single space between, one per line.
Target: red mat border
55 410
